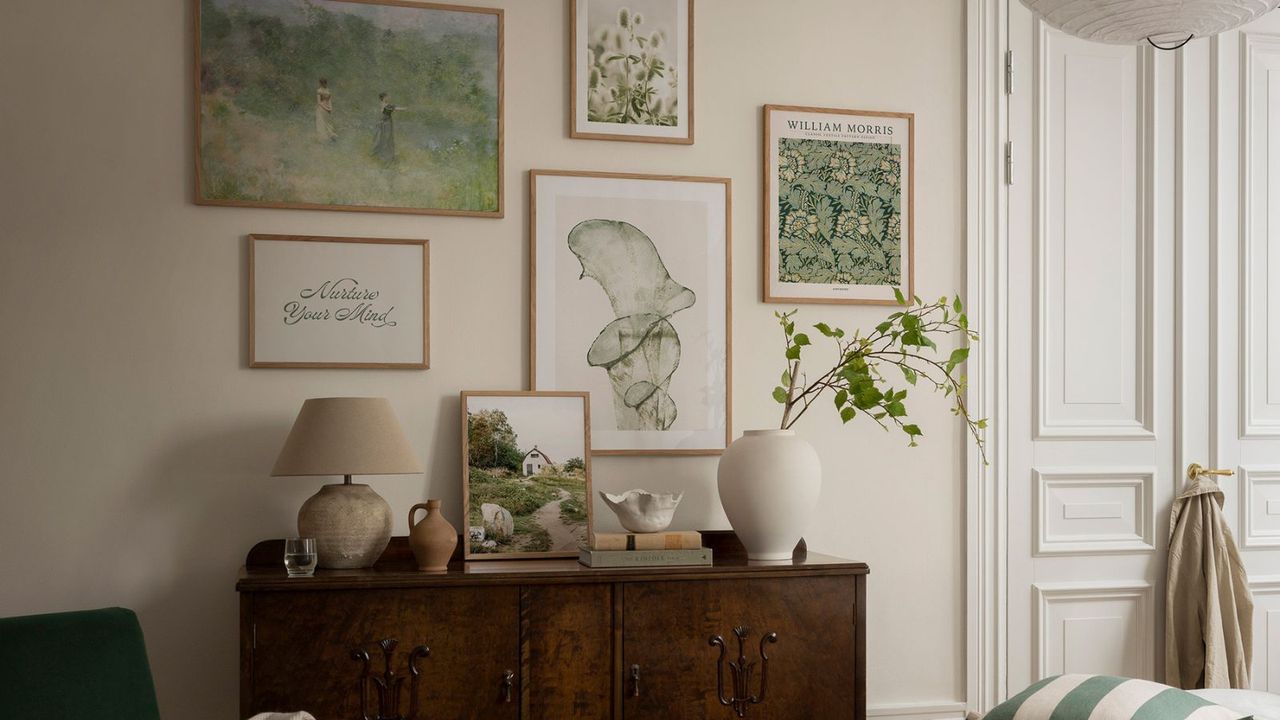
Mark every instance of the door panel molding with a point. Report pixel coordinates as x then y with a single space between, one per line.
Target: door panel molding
1093 510
1104 628
1260 218
1094 240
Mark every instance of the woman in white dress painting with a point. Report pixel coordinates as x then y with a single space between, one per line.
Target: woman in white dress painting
324 113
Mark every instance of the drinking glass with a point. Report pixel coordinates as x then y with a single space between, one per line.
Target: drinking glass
300 556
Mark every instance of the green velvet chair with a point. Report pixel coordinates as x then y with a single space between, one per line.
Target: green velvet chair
89 665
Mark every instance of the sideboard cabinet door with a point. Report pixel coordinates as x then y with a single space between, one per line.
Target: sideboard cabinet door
568 641
304 641
671 669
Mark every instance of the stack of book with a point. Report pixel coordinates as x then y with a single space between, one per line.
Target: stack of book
614 550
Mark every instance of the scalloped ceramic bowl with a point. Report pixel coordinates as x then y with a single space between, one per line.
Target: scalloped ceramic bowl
641 511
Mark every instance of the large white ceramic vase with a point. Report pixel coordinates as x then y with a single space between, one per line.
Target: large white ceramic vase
769 482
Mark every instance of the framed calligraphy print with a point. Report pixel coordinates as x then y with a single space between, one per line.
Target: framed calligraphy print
838 205
330 302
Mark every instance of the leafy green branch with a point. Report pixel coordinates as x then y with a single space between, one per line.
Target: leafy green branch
903 341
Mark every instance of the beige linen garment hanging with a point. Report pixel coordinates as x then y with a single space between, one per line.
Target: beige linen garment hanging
1208 607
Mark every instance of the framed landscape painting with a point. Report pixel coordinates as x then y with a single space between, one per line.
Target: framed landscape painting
327 302
526 479
629 287
631 70
369 105
838 205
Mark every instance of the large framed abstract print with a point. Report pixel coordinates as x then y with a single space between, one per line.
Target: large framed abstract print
629 283
370 105
631 70
838 205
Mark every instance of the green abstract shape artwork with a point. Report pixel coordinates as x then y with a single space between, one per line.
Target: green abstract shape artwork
640 348
839 212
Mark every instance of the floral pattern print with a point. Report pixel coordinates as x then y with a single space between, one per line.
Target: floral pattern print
839 212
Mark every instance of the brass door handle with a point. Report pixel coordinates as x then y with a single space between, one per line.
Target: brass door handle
1195 470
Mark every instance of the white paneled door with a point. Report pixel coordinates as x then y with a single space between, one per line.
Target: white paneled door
1139 227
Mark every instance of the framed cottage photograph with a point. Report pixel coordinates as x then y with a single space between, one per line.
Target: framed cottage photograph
328 302
629 283
838 205
368 105
631 70
526 478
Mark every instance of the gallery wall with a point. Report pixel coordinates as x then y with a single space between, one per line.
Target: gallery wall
135 442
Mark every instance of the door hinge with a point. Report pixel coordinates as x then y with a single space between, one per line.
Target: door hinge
1008 162
1008 72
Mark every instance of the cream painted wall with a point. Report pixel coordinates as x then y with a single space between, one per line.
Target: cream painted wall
135 442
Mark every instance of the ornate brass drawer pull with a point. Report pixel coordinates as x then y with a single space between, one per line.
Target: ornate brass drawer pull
508 681
742 670
388 683
635 681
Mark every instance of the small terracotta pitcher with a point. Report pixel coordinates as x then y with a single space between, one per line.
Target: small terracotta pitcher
433 539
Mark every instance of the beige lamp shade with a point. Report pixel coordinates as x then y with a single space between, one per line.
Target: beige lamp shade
346 436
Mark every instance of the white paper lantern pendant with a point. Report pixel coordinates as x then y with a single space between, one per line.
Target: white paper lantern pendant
1166 24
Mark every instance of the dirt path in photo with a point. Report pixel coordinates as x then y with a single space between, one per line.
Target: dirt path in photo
548 516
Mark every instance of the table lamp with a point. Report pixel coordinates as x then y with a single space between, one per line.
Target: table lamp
346 436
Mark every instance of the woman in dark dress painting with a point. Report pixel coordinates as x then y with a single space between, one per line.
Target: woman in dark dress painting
384 137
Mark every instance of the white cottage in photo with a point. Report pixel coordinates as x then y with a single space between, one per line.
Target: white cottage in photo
534 461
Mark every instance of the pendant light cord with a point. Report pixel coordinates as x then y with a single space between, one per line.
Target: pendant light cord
1170 47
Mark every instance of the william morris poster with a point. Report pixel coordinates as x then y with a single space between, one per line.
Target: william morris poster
838 197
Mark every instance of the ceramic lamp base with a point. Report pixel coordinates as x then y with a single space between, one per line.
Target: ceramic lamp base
351 524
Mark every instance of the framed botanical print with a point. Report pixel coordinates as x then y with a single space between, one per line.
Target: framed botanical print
629 285
329 302
526 474
631 70
838 205
368 105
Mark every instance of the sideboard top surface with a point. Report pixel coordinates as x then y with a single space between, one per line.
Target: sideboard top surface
264 570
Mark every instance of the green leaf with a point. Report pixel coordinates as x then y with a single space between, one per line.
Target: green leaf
847 414
780 394
789 328
842 397
884 326
801 339
958 356
897 295
786 378
909 374
825 329
957 306
896 409
912 430
793 352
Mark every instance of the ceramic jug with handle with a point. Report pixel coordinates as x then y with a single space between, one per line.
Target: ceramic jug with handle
432 539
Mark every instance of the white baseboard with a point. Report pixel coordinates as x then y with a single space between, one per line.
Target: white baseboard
910 711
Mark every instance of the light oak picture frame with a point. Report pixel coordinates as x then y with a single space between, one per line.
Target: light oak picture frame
336 298
860 134
711 355
210 192
583 58
469 399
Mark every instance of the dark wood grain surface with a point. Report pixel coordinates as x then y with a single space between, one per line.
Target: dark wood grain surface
569 635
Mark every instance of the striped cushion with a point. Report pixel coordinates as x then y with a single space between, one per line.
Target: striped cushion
1101 697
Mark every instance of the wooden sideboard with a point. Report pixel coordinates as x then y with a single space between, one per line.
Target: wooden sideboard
553 640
